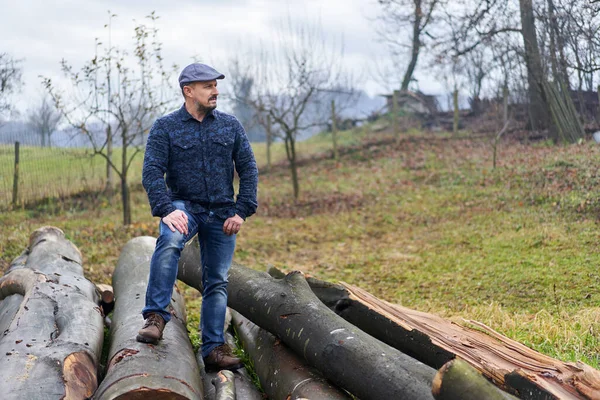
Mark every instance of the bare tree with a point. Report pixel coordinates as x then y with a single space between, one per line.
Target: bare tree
290 78
10 80
44 120
119 93
398 16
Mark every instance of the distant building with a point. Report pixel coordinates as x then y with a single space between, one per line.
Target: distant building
413 102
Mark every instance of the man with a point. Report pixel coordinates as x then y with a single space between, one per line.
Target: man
197 147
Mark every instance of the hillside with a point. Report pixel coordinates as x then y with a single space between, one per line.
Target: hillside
424 222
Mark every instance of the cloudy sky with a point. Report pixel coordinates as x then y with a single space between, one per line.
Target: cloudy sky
41 33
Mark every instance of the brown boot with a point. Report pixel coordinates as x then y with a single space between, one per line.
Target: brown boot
152 331
220 358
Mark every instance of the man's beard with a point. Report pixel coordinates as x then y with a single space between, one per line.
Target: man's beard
203 109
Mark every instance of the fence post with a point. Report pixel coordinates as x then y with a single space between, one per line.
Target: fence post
16 177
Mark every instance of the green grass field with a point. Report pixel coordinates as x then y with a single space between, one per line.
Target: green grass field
424 222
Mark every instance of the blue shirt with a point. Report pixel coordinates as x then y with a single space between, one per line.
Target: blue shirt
198 159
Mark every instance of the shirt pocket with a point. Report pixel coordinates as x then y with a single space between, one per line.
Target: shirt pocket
184 152
223 146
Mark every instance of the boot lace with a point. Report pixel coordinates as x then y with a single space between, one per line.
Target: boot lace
153 320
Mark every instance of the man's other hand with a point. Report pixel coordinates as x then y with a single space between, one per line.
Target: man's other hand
232 225
177 220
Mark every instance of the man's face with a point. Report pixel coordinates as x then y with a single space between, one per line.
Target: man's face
204 94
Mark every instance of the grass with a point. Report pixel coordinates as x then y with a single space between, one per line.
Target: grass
54 172
424 222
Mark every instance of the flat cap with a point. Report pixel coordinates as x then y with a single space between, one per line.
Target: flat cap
197 72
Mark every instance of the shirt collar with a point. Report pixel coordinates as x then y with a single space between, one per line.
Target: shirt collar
185 115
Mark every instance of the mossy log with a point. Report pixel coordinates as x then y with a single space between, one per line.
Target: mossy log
457 380
283 375
138 370
289 309
51 323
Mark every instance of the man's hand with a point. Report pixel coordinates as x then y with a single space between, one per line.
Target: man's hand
177 220
232 225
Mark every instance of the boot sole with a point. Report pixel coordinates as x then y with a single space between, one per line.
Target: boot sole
216 368
144 339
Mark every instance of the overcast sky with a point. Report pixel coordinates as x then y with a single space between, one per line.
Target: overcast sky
41 33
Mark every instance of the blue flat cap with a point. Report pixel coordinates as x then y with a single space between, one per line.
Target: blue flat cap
197 72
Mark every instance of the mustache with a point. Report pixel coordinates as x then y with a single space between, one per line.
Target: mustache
212 97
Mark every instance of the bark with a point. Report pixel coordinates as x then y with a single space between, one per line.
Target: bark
289 309
457 380
135 370
282 374
52 327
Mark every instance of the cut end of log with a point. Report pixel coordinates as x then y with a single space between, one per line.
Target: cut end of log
438 379
37 235
79 373
145 393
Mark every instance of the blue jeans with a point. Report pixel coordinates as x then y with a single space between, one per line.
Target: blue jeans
216 251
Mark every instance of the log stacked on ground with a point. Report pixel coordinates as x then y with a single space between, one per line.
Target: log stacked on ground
457 380
289 309
507 363
242 383
51 324
137 370
283 375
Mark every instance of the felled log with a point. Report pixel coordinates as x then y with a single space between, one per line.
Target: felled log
507 363
289 309
225 385
244 388
283 375
457 380
51 324
435 341
107 298
138 370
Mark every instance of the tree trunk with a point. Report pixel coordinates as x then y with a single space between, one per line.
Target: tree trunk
416 46
126 200
289 309
125 195
282 374
457 380
456 111
294 168
109 156
137 370
269 141
539 112
52 326
336 155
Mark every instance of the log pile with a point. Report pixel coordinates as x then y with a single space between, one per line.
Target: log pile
51 324
306 338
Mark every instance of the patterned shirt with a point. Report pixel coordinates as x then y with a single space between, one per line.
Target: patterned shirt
198 159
